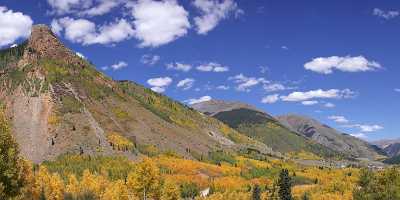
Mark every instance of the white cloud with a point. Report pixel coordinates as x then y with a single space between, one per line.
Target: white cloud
386 14
119 65
61 7
179 66
159 22
186 83
159 84
397 89
148 59
326 65
264 69
199 100
105 6
284 47
339 119
80 55
270 99
359 135
309 103
320 94
274 87
85 32
212 12
364 128
83 7
13 26
222 87
329 105
245 83
212 67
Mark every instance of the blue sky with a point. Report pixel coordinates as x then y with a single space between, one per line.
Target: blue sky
335 61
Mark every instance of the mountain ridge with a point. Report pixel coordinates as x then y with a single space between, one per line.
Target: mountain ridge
59 103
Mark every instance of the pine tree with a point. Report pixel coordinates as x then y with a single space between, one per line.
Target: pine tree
285 185
256 193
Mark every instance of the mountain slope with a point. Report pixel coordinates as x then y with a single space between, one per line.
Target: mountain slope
392 149
59 103
330 137
260 126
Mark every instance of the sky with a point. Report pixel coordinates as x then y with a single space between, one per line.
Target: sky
335 61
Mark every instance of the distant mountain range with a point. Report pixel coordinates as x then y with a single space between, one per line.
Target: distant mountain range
288 133
392 149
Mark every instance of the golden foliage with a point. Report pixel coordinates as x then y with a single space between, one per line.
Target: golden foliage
119 142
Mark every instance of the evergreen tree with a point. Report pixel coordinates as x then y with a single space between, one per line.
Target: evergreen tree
285 185
12 178
256 193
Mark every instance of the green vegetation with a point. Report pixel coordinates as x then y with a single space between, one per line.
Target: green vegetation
285 185
12 167
114 167
260 127
11 55
393 160
378 185
219 157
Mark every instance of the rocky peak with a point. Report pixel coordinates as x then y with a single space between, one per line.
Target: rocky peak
43 43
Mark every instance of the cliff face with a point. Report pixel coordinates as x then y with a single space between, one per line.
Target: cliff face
58 103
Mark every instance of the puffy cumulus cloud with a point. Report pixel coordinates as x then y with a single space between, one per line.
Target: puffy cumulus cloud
159 22
186 83
339 119
212 12
246 83
212 67
319 94
13 26
85 32
199 100
309 103
179 66
148 59
386 14
159 84
270 99
326 65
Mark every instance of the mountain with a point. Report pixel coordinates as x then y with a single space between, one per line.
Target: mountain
260 126
59 103
385 143
330 137
392 149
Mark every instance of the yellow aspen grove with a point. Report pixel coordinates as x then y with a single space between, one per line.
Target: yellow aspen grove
116 191
93 184
170 191
55 189
73 187
145 180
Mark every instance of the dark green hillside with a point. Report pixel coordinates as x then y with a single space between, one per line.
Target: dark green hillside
261 127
